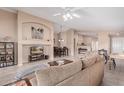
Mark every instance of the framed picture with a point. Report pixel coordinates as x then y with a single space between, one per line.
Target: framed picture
37 33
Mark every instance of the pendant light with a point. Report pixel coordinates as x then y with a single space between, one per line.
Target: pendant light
60 38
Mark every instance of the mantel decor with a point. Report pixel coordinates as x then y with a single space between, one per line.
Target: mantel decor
37 33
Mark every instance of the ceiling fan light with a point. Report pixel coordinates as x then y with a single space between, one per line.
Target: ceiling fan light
65 18
71 17
68 15
62 40
57 14
76 15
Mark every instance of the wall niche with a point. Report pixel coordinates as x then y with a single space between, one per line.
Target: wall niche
29 56
35 31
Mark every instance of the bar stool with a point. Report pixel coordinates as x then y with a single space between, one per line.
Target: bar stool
111 62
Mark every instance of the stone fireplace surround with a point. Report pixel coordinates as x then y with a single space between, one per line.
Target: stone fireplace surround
25 41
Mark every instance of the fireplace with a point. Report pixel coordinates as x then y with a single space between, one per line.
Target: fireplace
37 54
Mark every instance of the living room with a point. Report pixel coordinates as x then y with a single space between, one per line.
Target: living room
62 42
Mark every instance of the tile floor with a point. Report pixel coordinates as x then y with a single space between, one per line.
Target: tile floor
114 77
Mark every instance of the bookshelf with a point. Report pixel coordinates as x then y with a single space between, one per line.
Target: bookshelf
7 57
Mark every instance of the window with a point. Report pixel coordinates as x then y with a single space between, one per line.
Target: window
117 44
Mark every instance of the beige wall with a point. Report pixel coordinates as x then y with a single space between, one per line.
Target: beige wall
88 40
80 39
104 41
68 37
8 25
70 41
64 36
56 38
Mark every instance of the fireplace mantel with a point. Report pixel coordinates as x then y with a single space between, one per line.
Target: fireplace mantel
35 42
25 40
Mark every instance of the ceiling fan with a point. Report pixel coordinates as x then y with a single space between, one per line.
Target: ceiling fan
68 13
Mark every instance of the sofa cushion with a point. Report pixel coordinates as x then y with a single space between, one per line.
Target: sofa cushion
70 69
100 58
89 76
56 74
89 60
79 79
96 72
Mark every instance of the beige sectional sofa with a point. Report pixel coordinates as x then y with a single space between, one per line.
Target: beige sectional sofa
85 72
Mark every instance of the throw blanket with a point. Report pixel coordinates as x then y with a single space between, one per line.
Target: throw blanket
22 72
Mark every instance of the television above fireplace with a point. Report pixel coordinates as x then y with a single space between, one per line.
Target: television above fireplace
37 53
36 50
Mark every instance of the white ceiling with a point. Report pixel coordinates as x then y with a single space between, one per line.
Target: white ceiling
92 18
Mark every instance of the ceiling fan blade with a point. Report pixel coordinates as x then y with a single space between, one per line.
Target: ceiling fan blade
63 7
76 15
57 14
65 18
66 8
75 9
86 13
